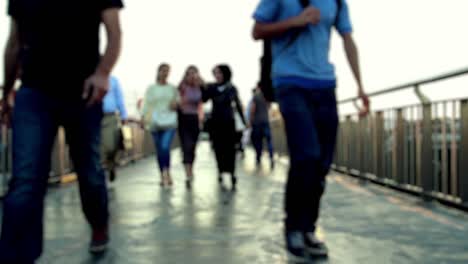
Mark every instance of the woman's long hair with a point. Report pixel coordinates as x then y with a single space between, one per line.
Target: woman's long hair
184 80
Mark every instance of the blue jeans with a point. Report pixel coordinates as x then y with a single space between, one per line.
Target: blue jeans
311 122
259 132
163 141
36 119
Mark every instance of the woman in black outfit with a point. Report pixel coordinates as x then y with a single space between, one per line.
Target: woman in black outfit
226 104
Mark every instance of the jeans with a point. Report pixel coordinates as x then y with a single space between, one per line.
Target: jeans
110 140
36 119
189 130
259 132
163 141
311 122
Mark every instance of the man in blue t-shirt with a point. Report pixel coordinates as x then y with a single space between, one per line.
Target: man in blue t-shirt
305 83
55 46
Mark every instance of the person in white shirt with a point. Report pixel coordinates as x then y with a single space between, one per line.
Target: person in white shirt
160 117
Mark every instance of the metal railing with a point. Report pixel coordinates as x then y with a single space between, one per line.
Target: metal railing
420 148
61 162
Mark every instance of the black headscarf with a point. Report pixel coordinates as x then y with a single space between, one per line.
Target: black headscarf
226 71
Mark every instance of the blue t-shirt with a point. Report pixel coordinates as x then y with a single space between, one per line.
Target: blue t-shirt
114 100
305 62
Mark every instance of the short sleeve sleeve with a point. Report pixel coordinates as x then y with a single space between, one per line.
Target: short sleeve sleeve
13 8
106 4
267 11
343 21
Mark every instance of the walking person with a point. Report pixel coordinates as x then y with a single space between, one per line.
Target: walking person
226 105
259 121
160 118
190 118
305 82
115 113
63 83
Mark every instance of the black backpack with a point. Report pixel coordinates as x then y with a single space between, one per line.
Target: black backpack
266 60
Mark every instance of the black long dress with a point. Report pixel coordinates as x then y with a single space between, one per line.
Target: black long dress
222 129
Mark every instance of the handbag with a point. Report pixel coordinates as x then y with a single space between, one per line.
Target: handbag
164 119
126 137
239 124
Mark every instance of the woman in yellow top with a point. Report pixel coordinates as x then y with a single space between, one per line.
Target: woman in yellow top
160 117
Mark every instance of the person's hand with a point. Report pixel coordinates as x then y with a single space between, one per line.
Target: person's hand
310 15
174 105
200 82
142 124
95 88
365 103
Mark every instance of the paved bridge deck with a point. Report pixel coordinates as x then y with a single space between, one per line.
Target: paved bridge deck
361 223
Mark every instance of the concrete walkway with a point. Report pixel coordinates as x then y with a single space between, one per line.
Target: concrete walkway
361 223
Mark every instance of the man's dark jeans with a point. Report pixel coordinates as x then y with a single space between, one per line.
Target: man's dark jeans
261 131
311 122
36 119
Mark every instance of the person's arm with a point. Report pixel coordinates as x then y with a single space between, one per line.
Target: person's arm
353 60
252 110
145 102
266 30
120 101
207 92
11 59
96 86
239 106
201 113
145 107
175 100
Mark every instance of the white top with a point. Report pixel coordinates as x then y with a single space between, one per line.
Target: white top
157 113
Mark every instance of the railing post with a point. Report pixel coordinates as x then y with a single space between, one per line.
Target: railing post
400 142
378 144
347 143
338 147
427 164
463 163
363 144
358 150
354 139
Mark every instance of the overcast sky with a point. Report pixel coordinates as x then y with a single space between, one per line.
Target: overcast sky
399 41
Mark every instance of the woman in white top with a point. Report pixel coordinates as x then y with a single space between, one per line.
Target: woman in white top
160 117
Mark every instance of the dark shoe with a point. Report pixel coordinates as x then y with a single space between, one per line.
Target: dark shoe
295 247
234 183
272 164
112 175
99 241
169 181
258 163
314 246
188 183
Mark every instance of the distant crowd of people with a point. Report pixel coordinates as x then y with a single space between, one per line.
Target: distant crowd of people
166 109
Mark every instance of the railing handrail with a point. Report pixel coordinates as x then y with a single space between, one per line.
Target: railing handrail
411 84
